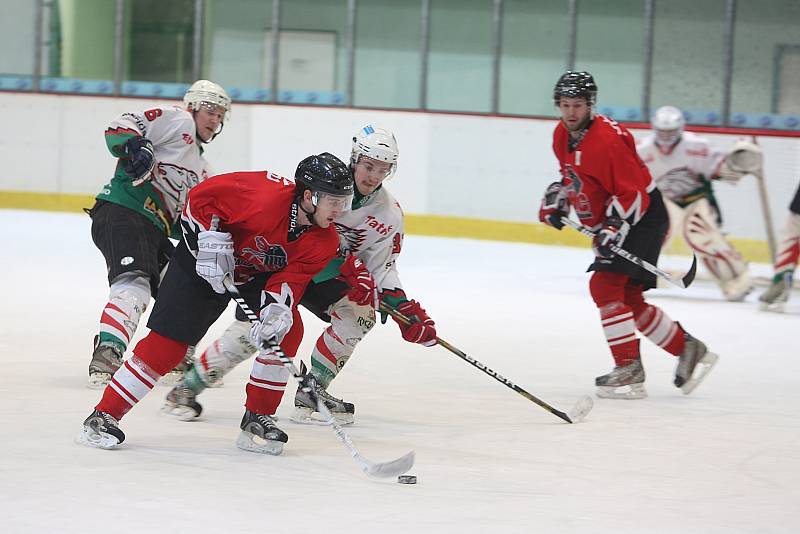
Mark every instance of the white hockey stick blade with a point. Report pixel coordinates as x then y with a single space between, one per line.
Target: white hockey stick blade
389 469
581 409
702 369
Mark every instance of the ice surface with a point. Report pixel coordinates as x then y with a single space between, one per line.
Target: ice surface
725 459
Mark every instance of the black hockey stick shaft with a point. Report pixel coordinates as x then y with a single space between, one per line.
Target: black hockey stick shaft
392 468
475 363
682 282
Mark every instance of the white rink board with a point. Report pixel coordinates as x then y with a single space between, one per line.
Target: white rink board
723 460
457 165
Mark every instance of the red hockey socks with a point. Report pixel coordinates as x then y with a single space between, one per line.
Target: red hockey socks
653 323
154 356
608 293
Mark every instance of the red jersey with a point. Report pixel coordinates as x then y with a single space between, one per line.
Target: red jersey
603 175
259 211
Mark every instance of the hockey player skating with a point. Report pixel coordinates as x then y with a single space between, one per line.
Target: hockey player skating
776 296
371 237
159 159
684 165
613 194
270 237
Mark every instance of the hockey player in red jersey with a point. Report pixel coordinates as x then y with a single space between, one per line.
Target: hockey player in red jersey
613 194
270 236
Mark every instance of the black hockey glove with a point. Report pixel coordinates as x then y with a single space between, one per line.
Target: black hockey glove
139 160
612 233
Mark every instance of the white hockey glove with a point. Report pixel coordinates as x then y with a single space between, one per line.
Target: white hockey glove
745 158
275 323
215 258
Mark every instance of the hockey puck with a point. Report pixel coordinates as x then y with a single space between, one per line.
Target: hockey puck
407 479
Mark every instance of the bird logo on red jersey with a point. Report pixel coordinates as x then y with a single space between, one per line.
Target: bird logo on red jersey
268 257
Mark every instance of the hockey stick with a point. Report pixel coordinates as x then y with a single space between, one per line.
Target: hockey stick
683 282
578 412
379 470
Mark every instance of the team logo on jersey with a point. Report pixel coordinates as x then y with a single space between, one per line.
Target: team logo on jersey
267 257
574 188
350 239
187 139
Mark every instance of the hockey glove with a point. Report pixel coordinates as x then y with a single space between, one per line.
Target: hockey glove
422 329
215 258
275 319
554 205
139 159
612 233
362 285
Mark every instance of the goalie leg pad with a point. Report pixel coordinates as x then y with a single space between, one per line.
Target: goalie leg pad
720 258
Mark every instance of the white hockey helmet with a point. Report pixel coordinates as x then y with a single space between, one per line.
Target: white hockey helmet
205 92
668 123
375 143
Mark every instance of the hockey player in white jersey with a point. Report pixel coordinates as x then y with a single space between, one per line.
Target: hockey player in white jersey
159 158
786 259
684 166
343 294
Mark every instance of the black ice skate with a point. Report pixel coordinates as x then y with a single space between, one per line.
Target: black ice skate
106 359
305 409
182 404
694 363
100 430
260 434
623 382
776 295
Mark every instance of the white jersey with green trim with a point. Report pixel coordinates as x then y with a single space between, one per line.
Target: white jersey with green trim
179 161
679 170
374 234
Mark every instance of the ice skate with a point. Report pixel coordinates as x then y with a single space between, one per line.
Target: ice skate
100 430
775 297
181 403
177 374
736 289
623 382
694 363
260 434
305 409
106 359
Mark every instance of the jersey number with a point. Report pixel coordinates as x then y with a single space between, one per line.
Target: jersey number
397 243
152 114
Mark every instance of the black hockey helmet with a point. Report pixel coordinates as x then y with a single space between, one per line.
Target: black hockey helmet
576 84
324 173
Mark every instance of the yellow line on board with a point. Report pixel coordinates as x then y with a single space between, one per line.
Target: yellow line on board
430 225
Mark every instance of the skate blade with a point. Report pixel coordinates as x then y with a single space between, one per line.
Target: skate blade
627 392
98 440
171 378
306 416
98 380
181 413
252 443
775 307
702 368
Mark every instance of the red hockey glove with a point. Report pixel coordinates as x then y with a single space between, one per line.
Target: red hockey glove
613 232
422 329
554 205
362 285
